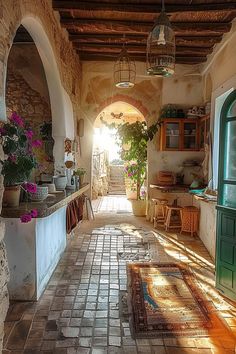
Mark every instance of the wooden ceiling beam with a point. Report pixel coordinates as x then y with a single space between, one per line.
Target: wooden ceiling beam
206 42
141 8
87 56
116 48
120 26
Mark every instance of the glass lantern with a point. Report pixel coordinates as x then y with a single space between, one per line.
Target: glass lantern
161 48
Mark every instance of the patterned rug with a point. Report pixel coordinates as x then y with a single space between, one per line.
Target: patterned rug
166 301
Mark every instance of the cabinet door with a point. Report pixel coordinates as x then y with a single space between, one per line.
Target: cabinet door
190 136
172 136
202 132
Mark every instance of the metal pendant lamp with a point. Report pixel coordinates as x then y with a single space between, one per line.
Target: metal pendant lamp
124 70
161 47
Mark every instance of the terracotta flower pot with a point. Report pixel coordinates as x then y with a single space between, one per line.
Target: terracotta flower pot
11 196
139 207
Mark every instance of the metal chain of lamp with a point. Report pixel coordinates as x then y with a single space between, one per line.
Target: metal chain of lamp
124 70
161 47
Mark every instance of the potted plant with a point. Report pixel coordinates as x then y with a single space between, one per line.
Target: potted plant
133 139
80 173
19 160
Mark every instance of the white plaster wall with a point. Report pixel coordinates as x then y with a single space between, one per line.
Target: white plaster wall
20 245
50 244
33 251
149 93
207 225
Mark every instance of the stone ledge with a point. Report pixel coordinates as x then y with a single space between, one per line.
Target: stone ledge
46 207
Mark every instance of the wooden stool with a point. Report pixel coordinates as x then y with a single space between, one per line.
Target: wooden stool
159 210
190 219
170 224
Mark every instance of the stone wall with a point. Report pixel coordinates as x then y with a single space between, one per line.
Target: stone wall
34 109
12 14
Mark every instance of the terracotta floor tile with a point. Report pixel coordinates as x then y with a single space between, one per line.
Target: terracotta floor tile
78 312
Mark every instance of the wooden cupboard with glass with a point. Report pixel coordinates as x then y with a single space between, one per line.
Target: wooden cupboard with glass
204 130
180 134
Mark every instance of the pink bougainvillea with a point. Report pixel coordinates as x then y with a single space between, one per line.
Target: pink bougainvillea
34 213
29 216
36 143
29 133
17 119
25 218
30 187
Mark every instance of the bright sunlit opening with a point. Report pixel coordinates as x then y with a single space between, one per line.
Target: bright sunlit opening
105 139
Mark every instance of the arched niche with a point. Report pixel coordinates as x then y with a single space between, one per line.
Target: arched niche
61 106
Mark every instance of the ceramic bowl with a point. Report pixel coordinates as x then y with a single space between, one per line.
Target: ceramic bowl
41 194
51 187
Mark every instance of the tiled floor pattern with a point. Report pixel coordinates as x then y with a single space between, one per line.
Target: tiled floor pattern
79 311
112 204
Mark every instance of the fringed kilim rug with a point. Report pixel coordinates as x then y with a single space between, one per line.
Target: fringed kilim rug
165 300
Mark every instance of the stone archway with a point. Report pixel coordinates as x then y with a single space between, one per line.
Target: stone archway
107 173
61 105
137 104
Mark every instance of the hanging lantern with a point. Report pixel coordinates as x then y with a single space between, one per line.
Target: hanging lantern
161 47
124 70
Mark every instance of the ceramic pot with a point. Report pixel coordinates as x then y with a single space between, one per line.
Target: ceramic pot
139 207
81 180
51 187
60 182
130 194
40 195
11 196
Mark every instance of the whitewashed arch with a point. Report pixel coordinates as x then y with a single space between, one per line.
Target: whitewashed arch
61 106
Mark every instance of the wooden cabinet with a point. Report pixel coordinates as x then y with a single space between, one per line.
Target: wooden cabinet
204 130
180 134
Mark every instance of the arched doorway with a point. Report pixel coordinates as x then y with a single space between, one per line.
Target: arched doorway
226 208
108 166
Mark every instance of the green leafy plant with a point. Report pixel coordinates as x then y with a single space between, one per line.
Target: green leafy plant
133 139
80 172
46 131
18 146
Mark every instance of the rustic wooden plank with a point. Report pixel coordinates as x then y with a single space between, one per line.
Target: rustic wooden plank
116 48
113 38
141 7
119 26
142 58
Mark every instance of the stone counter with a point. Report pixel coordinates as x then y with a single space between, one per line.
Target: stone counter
45 208
34 248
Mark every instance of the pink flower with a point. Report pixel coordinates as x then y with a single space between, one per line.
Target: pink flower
25 218
30 187
12 158
2 131
34 213
29 134
36 143
17 119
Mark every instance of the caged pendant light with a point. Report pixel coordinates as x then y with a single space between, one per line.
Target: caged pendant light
124 70
161 47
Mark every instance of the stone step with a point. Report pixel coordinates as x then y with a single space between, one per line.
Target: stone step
117 180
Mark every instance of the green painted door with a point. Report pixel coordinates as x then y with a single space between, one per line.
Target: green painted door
226 208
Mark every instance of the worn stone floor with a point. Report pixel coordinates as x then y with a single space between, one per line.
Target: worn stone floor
79 310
